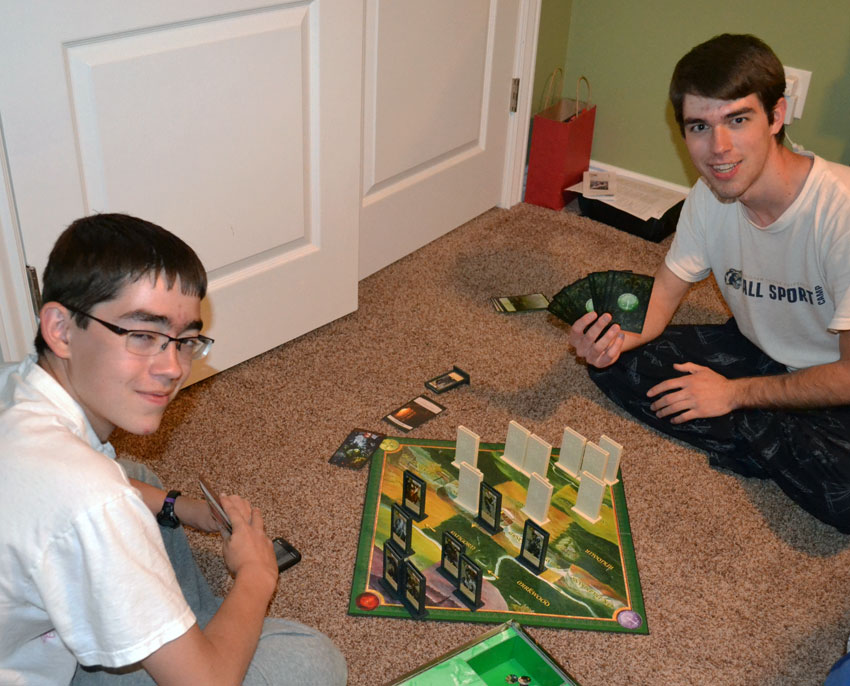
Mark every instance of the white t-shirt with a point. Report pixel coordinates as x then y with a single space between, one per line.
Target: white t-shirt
84 576
787 284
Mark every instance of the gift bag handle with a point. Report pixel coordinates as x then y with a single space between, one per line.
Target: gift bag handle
549 89
578 88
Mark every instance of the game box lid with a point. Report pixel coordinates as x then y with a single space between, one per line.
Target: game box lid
506 654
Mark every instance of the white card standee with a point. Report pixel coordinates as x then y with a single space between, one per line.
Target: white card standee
589 500
572 452
469 487
537 454
615 452
538 499
466 447
595 461
515 444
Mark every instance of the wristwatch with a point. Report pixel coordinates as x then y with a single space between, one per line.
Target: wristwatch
166 516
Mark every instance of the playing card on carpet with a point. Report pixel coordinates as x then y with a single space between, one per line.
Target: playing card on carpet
356 449
415 413
512 304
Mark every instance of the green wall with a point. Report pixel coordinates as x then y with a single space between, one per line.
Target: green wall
628 49
551 45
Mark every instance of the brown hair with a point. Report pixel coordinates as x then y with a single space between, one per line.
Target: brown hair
729 67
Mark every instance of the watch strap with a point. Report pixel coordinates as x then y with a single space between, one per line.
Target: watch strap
166 516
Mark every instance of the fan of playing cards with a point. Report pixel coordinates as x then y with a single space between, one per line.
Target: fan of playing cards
624 295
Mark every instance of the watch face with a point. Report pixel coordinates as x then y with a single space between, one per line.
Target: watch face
166 516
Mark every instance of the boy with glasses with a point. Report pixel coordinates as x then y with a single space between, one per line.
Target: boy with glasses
96 576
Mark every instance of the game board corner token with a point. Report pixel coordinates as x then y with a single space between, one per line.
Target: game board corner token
389 445
628 619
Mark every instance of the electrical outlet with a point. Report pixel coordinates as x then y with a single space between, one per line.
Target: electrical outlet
801 88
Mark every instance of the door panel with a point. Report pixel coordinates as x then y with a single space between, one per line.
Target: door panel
203 118
437 86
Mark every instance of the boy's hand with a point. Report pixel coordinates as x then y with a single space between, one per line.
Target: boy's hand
248 547
701 392
597 351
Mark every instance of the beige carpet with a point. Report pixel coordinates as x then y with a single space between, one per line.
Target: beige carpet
740 585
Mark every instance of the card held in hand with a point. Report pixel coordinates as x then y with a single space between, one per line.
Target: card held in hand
628 299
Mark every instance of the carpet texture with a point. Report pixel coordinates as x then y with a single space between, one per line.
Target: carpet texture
741 586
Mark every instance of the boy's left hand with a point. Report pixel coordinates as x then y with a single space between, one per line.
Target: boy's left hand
701 392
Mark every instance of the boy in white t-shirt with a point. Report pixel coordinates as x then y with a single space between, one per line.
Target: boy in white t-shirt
768 393
96 576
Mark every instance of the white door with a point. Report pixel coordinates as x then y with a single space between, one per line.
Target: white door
437 93
236 126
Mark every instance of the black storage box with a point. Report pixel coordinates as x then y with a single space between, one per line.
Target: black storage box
655 230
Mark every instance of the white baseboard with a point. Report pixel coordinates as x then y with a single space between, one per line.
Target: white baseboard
601 166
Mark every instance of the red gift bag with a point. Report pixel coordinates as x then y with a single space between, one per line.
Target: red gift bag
560 150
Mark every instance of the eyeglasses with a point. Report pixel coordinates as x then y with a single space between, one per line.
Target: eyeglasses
149 343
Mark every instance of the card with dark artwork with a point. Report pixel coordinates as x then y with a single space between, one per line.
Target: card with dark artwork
598 287
580 295
628 299
562 308
356 449
415 413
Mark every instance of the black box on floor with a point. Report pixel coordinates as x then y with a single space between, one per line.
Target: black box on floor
655 230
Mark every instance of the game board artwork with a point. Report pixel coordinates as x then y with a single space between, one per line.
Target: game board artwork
590 576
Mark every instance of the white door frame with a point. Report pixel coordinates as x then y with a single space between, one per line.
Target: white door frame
524 64
17 319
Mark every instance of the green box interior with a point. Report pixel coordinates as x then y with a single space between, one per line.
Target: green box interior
514 656
488 661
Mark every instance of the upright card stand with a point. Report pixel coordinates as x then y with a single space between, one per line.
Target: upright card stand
413 597
401 531
489 509
535 542
470 581
392 577
414 491
447 380
450 554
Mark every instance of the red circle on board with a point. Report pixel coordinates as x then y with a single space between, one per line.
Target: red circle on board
367 601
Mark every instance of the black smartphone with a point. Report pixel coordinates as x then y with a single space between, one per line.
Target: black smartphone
285 553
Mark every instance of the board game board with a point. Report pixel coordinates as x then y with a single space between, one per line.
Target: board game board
591 577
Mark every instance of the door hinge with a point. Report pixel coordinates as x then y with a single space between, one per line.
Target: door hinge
514 94
35 292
